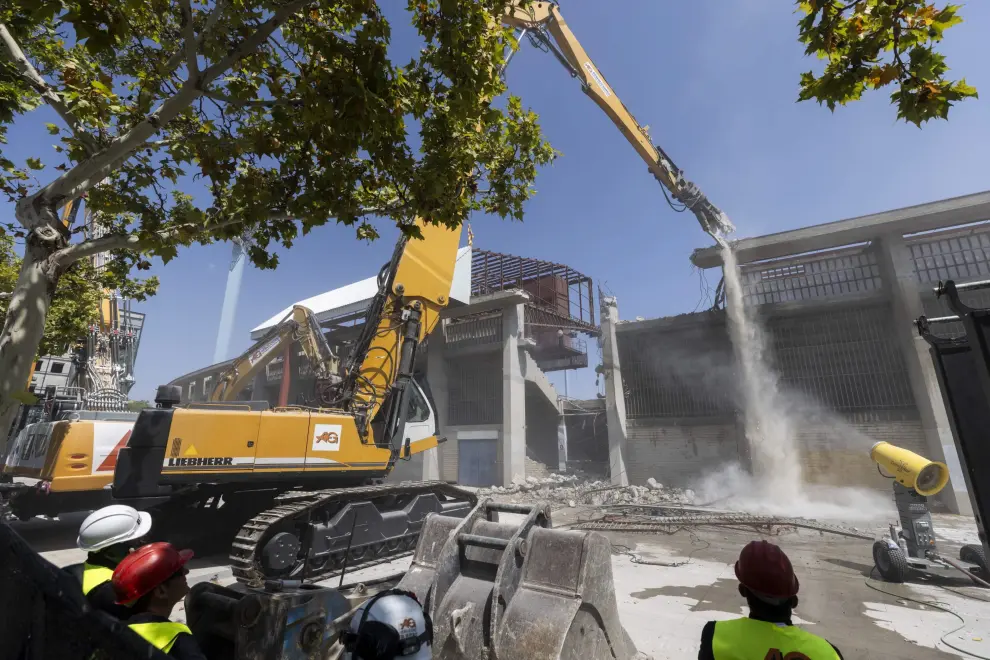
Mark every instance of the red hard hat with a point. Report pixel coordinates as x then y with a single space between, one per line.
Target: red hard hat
146 568
764 569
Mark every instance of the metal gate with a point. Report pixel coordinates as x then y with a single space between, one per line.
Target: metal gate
477 461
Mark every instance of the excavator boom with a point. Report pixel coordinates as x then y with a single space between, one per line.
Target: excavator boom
298 325
544 24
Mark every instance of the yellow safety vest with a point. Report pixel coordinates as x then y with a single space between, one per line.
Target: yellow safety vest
752 639
94 576
160 635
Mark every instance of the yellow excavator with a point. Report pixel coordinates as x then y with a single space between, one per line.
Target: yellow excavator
493 589
223 461
253 462
71 453
191 463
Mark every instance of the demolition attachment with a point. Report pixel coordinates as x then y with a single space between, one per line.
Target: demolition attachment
503 590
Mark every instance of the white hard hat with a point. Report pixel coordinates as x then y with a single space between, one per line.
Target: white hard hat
390 626
110 525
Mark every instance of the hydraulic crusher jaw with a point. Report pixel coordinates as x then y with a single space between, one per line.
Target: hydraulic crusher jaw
500 590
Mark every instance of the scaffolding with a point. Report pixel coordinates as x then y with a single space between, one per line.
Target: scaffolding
105 359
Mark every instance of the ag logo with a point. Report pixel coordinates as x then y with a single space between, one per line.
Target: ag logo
326 437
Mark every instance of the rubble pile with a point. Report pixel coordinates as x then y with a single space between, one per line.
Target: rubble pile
571 490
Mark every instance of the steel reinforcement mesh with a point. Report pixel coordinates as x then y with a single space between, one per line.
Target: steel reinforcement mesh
844 271
474 389
43 615
845 359
678 373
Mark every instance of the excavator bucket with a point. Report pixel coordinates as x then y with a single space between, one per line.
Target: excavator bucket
507 590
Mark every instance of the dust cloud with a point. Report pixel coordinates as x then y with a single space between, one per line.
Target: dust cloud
776 484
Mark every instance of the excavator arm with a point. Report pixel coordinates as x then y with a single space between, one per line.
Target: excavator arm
413 290
298 325
544 25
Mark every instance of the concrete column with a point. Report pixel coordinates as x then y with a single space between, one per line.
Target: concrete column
436 376
615 400
897 270
561 437
513 395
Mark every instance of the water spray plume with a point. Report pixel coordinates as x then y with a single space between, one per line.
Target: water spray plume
776 484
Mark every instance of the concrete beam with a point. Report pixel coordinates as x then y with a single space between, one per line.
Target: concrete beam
488 303
908 220
615 398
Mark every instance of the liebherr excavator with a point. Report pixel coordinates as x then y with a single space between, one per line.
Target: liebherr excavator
72 453
494 589
185 461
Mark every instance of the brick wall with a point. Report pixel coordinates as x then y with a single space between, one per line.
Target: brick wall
831 459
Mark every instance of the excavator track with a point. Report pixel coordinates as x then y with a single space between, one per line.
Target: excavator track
314 535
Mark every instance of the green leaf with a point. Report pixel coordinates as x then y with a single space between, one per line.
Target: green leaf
52 129
34 163
100 87
874 43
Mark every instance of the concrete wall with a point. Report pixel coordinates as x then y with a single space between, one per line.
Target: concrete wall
541 435
825 462
678 453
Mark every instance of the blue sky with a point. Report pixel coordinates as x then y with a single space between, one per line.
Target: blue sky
716 81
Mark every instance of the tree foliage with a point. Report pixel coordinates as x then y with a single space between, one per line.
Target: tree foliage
188 121
872 44
75 306
286 125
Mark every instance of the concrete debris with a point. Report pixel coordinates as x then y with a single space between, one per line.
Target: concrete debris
569 490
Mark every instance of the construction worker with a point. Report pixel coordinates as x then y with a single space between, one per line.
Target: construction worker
767 582
152 580
389 626
108 535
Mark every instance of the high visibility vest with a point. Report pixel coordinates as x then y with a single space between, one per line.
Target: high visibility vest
752 639
160 635
94 576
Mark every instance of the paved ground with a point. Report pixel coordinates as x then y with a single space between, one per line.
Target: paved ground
664 608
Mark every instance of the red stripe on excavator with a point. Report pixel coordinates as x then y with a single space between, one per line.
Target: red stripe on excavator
109 463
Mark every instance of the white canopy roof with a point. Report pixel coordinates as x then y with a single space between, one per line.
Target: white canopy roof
355 297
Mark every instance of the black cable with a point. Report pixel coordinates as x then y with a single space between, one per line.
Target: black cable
937 606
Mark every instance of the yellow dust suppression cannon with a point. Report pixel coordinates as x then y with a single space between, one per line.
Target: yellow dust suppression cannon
911 470
912 547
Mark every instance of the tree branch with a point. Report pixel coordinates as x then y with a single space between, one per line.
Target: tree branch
189 39
31 75
211 20
262 103
133 241
253 42
97 167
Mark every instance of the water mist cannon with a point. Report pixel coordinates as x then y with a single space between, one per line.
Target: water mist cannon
916 472
912 548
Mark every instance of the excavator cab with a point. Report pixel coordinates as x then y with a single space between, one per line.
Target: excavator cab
421 420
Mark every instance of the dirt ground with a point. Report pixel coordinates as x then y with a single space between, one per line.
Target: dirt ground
664 607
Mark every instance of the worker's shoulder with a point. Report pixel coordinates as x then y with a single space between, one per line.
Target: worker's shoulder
705 650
